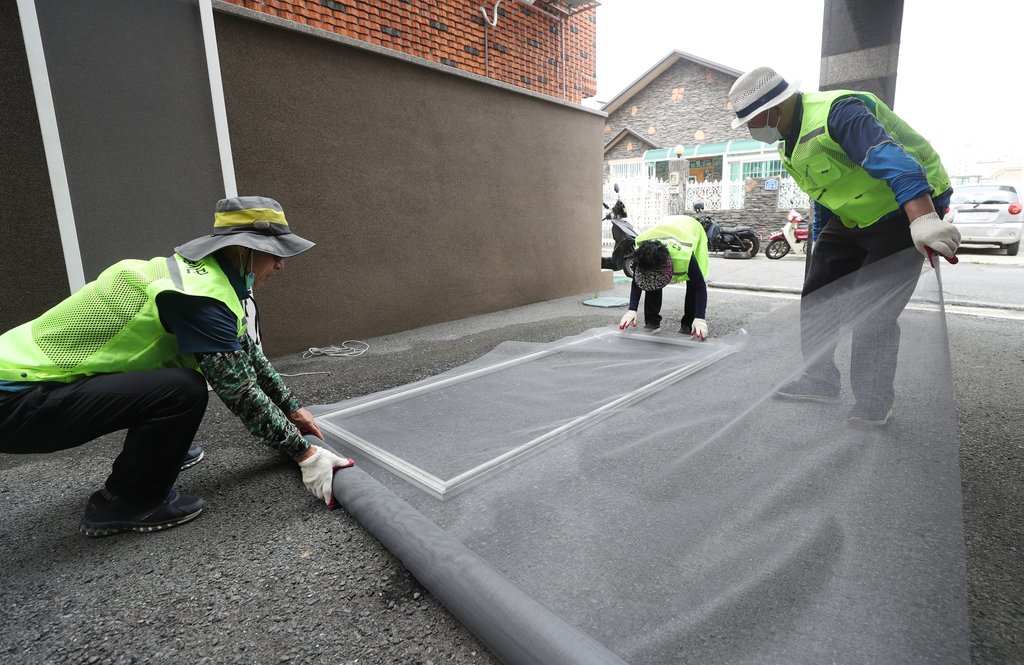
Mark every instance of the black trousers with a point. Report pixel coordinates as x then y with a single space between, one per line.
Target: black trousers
872 301
652 307
161 409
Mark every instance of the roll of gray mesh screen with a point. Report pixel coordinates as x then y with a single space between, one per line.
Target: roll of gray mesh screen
515 627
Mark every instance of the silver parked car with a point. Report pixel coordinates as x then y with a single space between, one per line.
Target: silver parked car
987 215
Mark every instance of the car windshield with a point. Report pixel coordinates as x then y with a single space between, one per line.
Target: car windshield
984 195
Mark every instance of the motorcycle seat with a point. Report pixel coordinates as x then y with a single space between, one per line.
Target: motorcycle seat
736 229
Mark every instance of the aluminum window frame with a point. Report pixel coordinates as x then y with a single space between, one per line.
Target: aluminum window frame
441 488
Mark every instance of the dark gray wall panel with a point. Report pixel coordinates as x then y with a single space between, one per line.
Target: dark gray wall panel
133 107
432 196
32 267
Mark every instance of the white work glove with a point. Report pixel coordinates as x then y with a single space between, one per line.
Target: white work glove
699 329
318 473
628 319
931 233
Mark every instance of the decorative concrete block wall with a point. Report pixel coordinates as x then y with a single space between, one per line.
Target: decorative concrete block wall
760 211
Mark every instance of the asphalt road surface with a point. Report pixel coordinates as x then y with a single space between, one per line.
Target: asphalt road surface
268 575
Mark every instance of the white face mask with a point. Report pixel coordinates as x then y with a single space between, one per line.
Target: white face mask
767 134
250 277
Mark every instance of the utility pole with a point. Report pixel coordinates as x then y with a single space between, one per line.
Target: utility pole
860 46
860 50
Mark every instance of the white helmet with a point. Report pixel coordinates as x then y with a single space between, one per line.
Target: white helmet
757 90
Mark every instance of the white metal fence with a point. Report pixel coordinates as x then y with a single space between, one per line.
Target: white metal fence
715 195
791 196
647 199
646 202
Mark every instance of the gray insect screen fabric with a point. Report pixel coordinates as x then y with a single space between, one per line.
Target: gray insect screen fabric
663 498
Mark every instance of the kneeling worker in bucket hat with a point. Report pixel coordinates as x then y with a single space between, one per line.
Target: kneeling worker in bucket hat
134 350
674 250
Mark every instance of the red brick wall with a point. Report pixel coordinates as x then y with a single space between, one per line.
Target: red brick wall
528 47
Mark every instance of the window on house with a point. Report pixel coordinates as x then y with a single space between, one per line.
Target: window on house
624 170
766 169
661 170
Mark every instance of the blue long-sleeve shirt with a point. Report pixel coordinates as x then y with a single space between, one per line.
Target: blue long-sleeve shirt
865 141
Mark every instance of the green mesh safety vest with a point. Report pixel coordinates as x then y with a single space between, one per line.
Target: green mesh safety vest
827 174
684 237
112 325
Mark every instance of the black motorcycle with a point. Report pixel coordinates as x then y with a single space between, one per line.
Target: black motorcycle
623 234
735 242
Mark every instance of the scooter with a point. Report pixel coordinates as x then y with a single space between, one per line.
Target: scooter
793 236
735 242
623 235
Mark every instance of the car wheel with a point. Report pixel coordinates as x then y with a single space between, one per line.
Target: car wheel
1011 250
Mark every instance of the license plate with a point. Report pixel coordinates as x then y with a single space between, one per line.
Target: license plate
974 216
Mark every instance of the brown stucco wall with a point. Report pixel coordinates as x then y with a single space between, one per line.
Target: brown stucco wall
431 196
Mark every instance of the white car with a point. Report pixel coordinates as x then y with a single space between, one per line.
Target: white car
987 215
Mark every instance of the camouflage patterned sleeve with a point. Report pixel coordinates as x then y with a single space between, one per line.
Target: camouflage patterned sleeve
235 381
268 378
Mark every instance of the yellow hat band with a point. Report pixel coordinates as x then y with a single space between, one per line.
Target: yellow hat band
248 216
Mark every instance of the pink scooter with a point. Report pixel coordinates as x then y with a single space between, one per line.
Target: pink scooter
794 234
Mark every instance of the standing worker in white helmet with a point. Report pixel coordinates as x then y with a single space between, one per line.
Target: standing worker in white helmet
876 185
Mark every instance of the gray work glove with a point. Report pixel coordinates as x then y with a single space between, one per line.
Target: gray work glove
318 473
628 319
931 234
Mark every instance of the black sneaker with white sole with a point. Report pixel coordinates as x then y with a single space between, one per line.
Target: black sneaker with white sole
106 514
872 415
194 455
652 328
809 389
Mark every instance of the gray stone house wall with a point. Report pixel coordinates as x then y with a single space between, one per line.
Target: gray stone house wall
621 151
686 104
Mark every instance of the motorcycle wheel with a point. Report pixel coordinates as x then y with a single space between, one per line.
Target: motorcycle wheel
627 266
777 248
756 246
749 246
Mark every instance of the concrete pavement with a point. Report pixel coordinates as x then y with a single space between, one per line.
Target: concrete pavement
267 574
982 278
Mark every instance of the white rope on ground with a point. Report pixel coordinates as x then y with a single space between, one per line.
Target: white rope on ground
350 348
